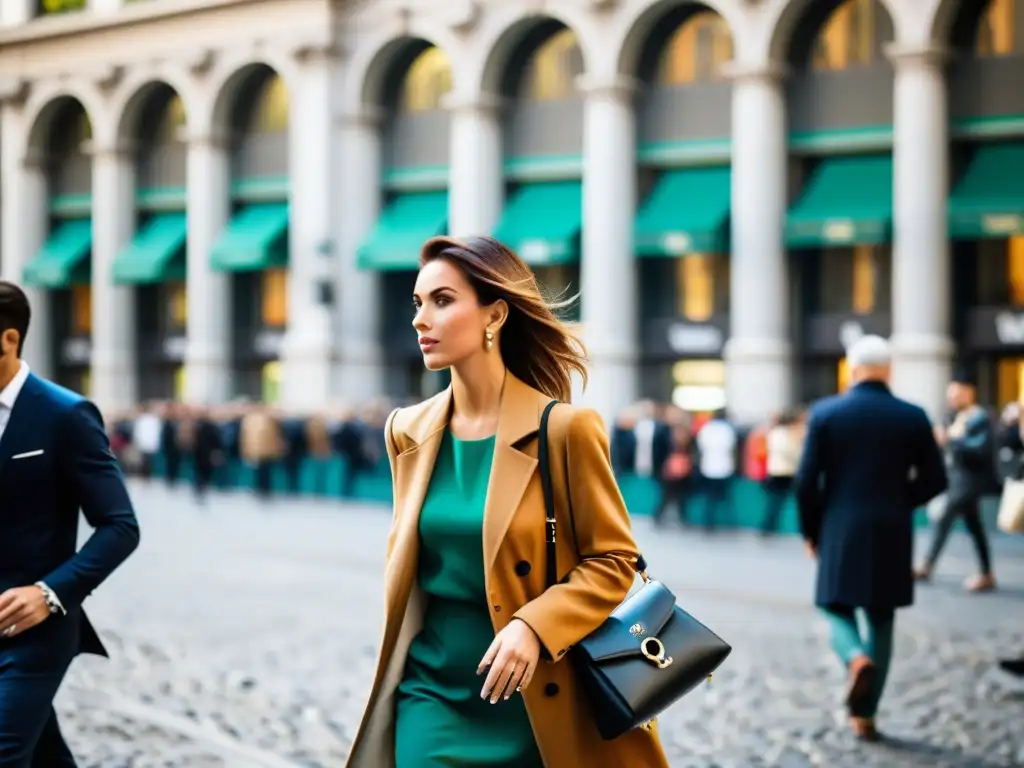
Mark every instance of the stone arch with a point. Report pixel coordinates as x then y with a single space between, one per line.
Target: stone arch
502 44
226 84
129 111
372 64
787 16
637 32
44 105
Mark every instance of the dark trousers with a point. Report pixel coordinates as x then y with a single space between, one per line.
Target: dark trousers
716 501
672 492
29 678
968 510
264 478
776 489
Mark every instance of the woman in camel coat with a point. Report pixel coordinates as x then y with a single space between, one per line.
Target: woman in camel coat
479 312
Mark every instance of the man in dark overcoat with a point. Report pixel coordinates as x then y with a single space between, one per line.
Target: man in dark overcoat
870 459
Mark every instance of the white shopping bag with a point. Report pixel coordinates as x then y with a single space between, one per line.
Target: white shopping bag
1011 507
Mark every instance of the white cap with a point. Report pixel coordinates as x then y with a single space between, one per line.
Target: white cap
869 351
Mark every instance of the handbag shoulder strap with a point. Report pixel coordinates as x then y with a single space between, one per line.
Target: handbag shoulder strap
550 508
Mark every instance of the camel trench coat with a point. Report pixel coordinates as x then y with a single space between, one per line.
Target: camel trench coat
514 562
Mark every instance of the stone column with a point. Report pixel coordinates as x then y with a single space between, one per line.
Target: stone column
476 186
24 225
922 290
609 309
758 355
208 353
114 349
14 13
308 354
359 370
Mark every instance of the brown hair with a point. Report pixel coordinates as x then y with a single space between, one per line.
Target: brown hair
535 344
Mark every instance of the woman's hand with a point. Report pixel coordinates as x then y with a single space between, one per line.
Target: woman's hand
513 658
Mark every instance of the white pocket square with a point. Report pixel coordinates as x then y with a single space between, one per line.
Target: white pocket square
28 454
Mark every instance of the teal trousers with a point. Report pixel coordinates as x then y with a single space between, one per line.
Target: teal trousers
862 632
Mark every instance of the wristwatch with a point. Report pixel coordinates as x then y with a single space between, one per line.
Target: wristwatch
52 601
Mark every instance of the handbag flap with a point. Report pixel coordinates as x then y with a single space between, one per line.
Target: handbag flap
643 614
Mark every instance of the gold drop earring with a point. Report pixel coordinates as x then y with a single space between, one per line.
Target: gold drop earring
488 339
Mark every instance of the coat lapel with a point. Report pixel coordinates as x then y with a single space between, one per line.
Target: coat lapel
413 469
511 469
19 423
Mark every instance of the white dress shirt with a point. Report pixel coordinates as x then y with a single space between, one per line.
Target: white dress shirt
8 397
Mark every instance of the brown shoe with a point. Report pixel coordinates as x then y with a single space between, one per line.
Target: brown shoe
864 729
860 682
981 583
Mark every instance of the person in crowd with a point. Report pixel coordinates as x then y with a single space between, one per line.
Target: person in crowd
869 460
676 474
472 668
207 452
169 444
717 446
147 437
783 445
293 434
261 446
623 442
318 449
350 442
55 460
970 463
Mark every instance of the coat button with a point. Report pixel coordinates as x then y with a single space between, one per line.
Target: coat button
522 568
551 689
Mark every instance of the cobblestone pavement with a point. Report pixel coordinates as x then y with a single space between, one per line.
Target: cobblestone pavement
243 635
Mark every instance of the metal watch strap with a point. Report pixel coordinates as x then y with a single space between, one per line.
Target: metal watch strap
52 602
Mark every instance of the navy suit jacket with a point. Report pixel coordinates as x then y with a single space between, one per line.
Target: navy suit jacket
869 460
55 460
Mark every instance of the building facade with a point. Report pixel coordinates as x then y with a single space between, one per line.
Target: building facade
212 198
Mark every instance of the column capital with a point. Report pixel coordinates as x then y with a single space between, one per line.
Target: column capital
482 103
617 87
928 56
14 90
365 116
114 150
769 72
214 139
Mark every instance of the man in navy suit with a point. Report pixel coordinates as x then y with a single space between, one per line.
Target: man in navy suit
54 461
869 460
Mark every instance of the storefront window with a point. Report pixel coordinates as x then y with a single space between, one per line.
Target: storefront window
1015 269
856 279
86 383
176 302
699 385
697 52
428 80
847 39
1010 381
81 310
50 7
995 36
271 382
552 72
695 286
842 375
270 114
274 298
179 383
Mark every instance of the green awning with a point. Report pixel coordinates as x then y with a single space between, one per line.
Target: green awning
846 201
64 258
157 252
687 212
409 220
256 238
988 201
542 222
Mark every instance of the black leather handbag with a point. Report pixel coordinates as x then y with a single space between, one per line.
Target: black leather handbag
648 654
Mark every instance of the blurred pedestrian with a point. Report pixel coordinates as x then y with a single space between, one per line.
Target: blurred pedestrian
469 615
869 460
970 454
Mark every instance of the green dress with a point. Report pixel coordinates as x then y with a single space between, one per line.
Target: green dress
440 719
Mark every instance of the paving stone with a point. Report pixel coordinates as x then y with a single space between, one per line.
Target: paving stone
244 635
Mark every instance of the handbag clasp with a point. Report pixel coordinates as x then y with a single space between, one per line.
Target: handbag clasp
654 651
